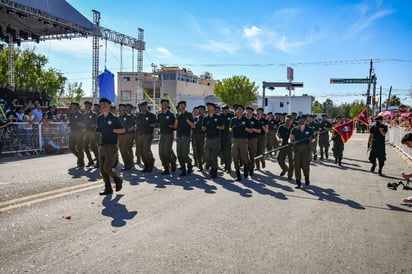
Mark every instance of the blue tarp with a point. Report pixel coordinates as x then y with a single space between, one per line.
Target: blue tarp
106 86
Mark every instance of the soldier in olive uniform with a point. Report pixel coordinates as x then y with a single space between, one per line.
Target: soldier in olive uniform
76 124
271 140
313 145
90 135
145 123
198 138
286 150
253 128
212 125
109 126
338 144
126 139
324 128
183 125
261 138
301 136
239 141
226 139
166 121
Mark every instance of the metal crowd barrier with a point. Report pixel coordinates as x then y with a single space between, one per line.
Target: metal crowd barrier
394 137
24 139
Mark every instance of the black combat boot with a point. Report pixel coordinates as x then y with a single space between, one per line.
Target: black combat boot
238 176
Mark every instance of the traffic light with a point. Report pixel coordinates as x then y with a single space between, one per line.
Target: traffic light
368 100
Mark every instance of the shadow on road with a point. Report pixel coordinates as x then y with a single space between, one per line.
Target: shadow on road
92 174
328 194
117 211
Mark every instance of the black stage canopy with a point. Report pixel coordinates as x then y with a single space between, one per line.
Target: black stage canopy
33 20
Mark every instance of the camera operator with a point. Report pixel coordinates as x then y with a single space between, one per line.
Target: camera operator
407 140
376 144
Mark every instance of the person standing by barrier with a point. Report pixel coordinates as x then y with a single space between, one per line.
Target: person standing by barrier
261 138
198 138
76 124
146 122
324 128
109 126
90 135
286 150
226 139
166 121
183 125
376 144
301 136
212 126
239 141
126 139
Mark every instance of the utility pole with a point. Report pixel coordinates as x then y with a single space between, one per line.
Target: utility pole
389 98
154 85
368 92
380 99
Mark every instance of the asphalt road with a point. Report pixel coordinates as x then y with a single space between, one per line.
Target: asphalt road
346 221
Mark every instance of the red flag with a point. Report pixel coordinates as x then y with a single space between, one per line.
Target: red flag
363 117
345 130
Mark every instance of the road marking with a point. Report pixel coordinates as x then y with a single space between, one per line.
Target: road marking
40 197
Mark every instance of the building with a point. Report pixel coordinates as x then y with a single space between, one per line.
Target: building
166 82
298 104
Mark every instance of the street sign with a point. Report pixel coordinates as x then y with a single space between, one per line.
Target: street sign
290 74
349 81
291 85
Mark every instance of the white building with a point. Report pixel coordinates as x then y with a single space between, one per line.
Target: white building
288 104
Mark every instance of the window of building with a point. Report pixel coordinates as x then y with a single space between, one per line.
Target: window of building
126 95
126 78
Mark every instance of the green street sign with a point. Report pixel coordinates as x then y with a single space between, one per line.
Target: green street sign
349 81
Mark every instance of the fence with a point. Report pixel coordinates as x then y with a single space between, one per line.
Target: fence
22 137
394 137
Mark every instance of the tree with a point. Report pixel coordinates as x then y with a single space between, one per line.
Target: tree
30 72
394 101
317 107
356 108
73 94
236 90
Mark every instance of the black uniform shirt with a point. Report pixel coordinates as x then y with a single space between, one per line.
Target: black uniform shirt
324 127
198 125
76 121
90 119
263 122
183 128
226 122
127 121
238 127
302 137
284 133
105 125
166 121
252 123
143 122
273 124
211 123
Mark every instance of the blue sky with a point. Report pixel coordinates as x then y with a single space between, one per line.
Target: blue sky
258 39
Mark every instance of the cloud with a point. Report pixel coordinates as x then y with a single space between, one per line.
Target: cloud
252 31
215 46
365 21
164 52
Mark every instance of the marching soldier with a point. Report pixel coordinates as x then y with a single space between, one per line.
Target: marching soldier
166 121
109 126
90 135
261 138
198 138
271 140
239 141
286 150
126 139
376 143
324 128
226 139
253 129
145 123
183 125
301 136
212 125
76 124
313 145
138 139
338 144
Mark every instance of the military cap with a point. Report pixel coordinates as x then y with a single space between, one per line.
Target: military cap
105 100
261 109
324 115
88 103
379 118
250 108
225 106
164 100
181 102
210 104
144 103
202 107
239 106
75 104
129 105
269 113
96 105
122 105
